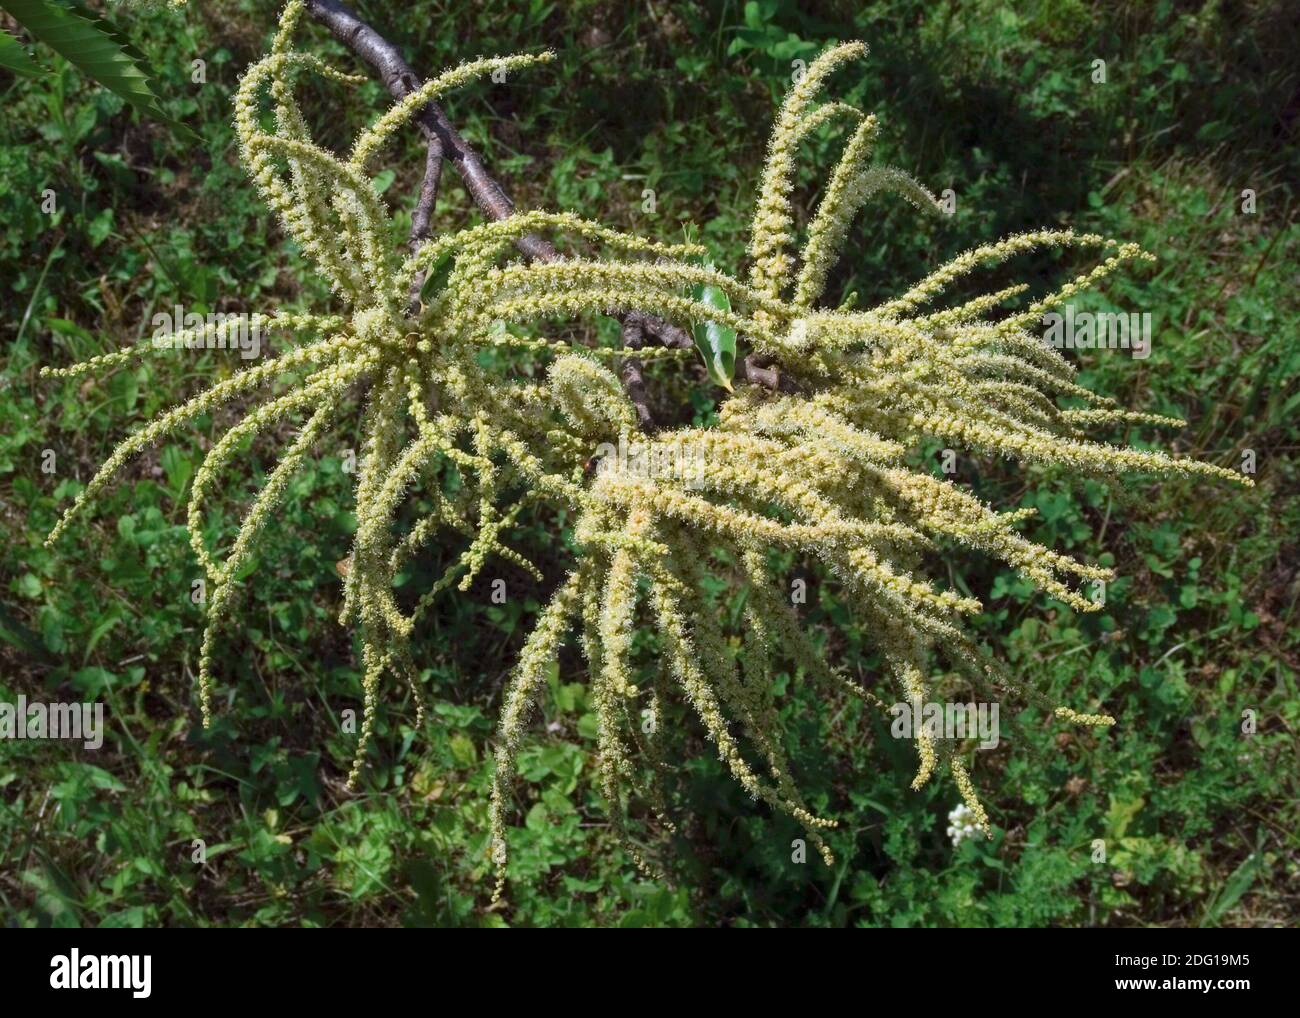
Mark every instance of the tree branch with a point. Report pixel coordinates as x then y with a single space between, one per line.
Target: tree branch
422 215
400 80
630 370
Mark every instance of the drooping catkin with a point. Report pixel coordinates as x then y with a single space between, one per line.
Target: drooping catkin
821 472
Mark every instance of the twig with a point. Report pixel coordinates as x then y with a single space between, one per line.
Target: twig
423 213
758 369
630 370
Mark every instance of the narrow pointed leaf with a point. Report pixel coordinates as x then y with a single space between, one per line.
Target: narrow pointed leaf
14 58
95 48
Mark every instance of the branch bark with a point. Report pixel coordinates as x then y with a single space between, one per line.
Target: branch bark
630 371
400 80
422 215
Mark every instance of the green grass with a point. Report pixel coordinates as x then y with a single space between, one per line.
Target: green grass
992 99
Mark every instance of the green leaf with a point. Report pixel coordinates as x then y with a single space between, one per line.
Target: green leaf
95 48
716 343
1121 814
125 386
12 630
463 751
436 275
99 228
1233 889
100 631
14 58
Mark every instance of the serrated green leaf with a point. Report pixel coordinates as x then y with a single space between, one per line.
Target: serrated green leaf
95 48
14 58
716 343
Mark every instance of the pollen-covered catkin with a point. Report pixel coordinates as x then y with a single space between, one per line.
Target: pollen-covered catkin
468 415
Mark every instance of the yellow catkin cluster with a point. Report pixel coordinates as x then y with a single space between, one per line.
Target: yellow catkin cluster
662 520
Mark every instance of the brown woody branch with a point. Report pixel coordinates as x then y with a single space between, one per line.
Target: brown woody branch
400 80
422 215
445 142
630 370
